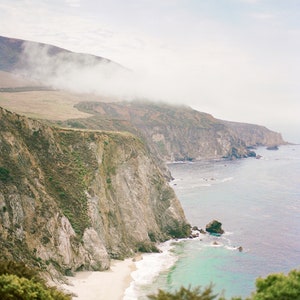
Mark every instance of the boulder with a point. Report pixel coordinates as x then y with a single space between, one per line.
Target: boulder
274 147
214 227
194 234
251 153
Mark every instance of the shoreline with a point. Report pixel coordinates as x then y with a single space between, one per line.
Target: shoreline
102 285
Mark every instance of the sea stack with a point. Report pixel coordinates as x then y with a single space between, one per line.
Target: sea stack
214 227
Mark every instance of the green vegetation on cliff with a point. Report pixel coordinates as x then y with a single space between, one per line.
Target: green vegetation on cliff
4 174
66 169
72 199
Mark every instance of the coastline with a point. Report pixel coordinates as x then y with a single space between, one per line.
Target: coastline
96 285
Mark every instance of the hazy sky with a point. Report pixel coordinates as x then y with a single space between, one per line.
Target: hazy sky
236 59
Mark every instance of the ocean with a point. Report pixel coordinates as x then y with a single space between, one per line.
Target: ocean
258 203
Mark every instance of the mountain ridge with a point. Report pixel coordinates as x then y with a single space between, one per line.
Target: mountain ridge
11 50
176 133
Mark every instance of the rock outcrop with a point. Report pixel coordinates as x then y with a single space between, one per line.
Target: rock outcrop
275 147
71 199
214 227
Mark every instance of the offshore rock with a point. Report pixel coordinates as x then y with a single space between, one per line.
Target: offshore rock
214 227
274 147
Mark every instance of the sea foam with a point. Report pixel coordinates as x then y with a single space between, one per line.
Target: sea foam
149 268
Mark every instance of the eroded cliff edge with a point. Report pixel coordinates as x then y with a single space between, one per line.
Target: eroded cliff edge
177 132
71 199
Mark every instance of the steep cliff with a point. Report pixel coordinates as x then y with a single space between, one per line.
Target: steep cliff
177 132
71 199
254 135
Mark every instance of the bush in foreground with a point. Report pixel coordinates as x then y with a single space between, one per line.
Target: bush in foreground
186 294
278 286
21 288
273 287
17 281
19 269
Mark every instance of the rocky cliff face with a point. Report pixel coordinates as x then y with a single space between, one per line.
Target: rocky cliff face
71 199
254 135
177 132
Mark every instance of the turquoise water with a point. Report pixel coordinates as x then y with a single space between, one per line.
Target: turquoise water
258 203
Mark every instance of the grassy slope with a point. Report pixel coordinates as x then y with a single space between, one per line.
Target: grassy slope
53 105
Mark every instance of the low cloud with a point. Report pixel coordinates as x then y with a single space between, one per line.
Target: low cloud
83 73
216 80
206 85
167 76
242 69
71 71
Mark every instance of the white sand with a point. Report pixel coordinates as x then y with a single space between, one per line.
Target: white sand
106 285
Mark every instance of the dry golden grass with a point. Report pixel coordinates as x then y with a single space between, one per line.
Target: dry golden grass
50 105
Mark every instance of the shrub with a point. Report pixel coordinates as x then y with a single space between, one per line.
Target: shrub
179 229
185 294
278 286
19 269
14 287
4 174
147 247
17 281
273 287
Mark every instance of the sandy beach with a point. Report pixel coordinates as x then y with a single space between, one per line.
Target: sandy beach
106 285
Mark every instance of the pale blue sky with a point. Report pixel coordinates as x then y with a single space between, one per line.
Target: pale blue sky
236 59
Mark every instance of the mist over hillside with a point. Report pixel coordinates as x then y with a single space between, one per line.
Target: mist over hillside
60 68
173 133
